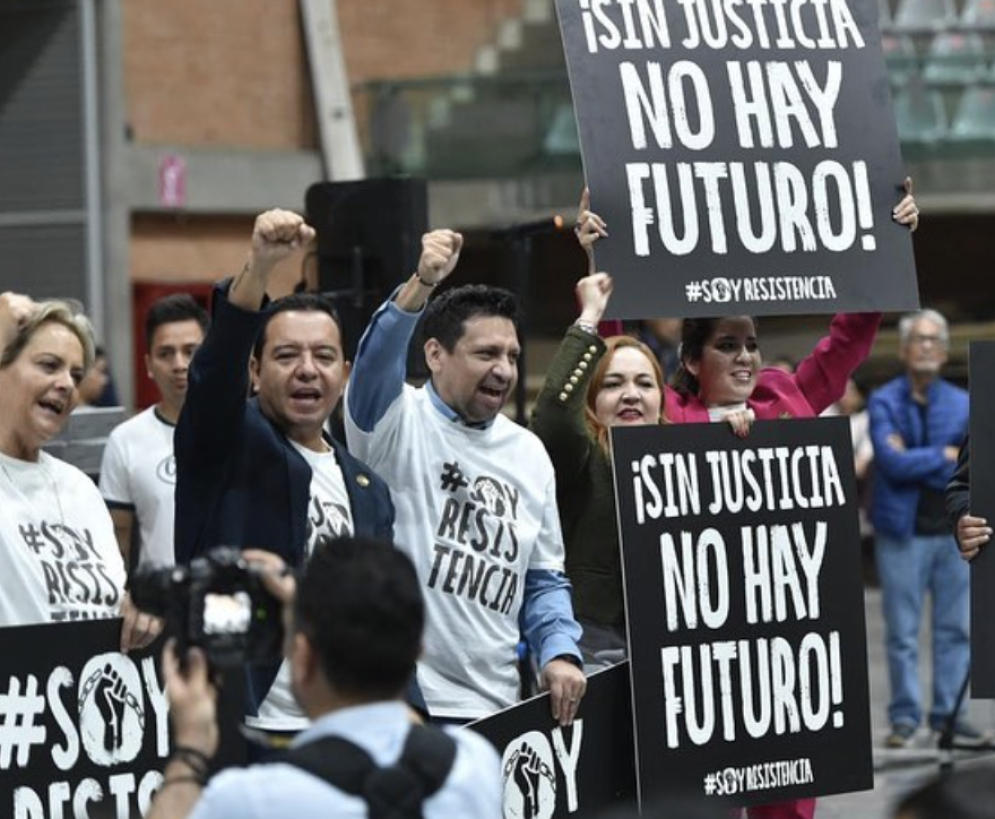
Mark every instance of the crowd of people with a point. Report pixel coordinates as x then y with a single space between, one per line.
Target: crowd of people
440 534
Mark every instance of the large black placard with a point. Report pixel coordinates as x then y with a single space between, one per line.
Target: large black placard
982 373
84 729
743 154
745 609
552 772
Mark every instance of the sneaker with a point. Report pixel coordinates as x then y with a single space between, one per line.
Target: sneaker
966 735
900 736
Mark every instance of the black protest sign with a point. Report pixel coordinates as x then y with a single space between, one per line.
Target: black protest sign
743 155
982 375
84 729
745 609
577 771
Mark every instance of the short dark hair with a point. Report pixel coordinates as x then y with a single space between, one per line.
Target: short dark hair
967 793
446 315
695 333
298 302
360 605
172 308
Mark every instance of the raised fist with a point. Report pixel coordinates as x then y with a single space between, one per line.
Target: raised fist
278 233
440 251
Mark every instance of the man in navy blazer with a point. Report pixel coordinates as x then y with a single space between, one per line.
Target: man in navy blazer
262 472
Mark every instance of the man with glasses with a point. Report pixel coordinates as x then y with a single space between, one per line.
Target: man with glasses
917 422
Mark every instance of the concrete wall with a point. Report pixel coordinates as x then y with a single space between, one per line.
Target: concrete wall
230 73
225 86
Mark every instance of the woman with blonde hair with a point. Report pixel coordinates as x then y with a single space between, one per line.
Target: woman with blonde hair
60 557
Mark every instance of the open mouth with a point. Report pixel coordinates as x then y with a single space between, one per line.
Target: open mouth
53 406
630 415
493 393
306 396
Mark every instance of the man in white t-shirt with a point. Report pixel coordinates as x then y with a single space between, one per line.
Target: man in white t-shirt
474 492
138 471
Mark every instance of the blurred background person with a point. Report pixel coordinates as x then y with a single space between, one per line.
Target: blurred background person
782 362
97 388
138 470
918 421
663 337
853 406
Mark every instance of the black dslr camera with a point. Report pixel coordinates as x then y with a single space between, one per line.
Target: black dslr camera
218 603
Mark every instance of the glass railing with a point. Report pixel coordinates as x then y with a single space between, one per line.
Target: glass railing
469 126
507 125
944 93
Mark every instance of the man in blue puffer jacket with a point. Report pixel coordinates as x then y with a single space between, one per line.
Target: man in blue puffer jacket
917 422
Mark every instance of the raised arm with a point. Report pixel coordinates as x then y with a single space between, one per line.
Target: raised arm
14 311
212 423
559 414
822 375
379 369
275 235
212 415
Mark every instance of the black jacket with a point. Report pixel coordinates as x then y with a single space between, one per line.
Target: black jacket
239 481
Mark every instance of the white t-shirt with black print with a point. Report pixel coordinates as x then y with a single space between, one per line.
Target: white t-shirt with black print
329 516
475 509
60 557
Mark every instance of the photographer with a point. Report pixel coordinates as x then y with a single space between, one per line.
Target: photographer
354 628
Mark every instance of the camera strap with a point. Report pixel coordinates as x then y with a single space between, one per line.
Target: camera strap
394 792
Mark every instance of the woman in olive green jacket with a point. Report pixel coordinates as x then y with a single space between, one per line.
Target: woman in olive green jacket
591 385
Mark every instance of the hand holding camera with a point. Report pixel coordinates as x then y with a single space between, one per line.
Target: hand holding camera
225 609
228 603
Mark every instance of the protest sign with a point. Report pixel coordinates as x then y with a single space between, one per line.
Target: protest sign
84 729
743 155
982 375
551 772
745 611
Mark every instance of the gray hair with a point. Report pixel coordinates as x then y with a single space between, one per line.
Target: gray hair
908 321
46 312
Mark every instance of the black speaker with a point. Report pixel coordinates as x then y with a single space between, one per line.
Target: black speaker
369 240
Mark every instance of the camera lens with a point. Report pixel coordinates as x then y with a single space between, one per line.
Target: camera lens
151 588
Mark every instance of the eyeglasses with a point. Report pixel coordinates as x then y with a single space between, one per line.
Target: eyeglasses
922 341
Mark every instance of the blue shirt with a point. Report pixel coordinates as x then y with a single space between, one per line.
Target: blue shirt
278 790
